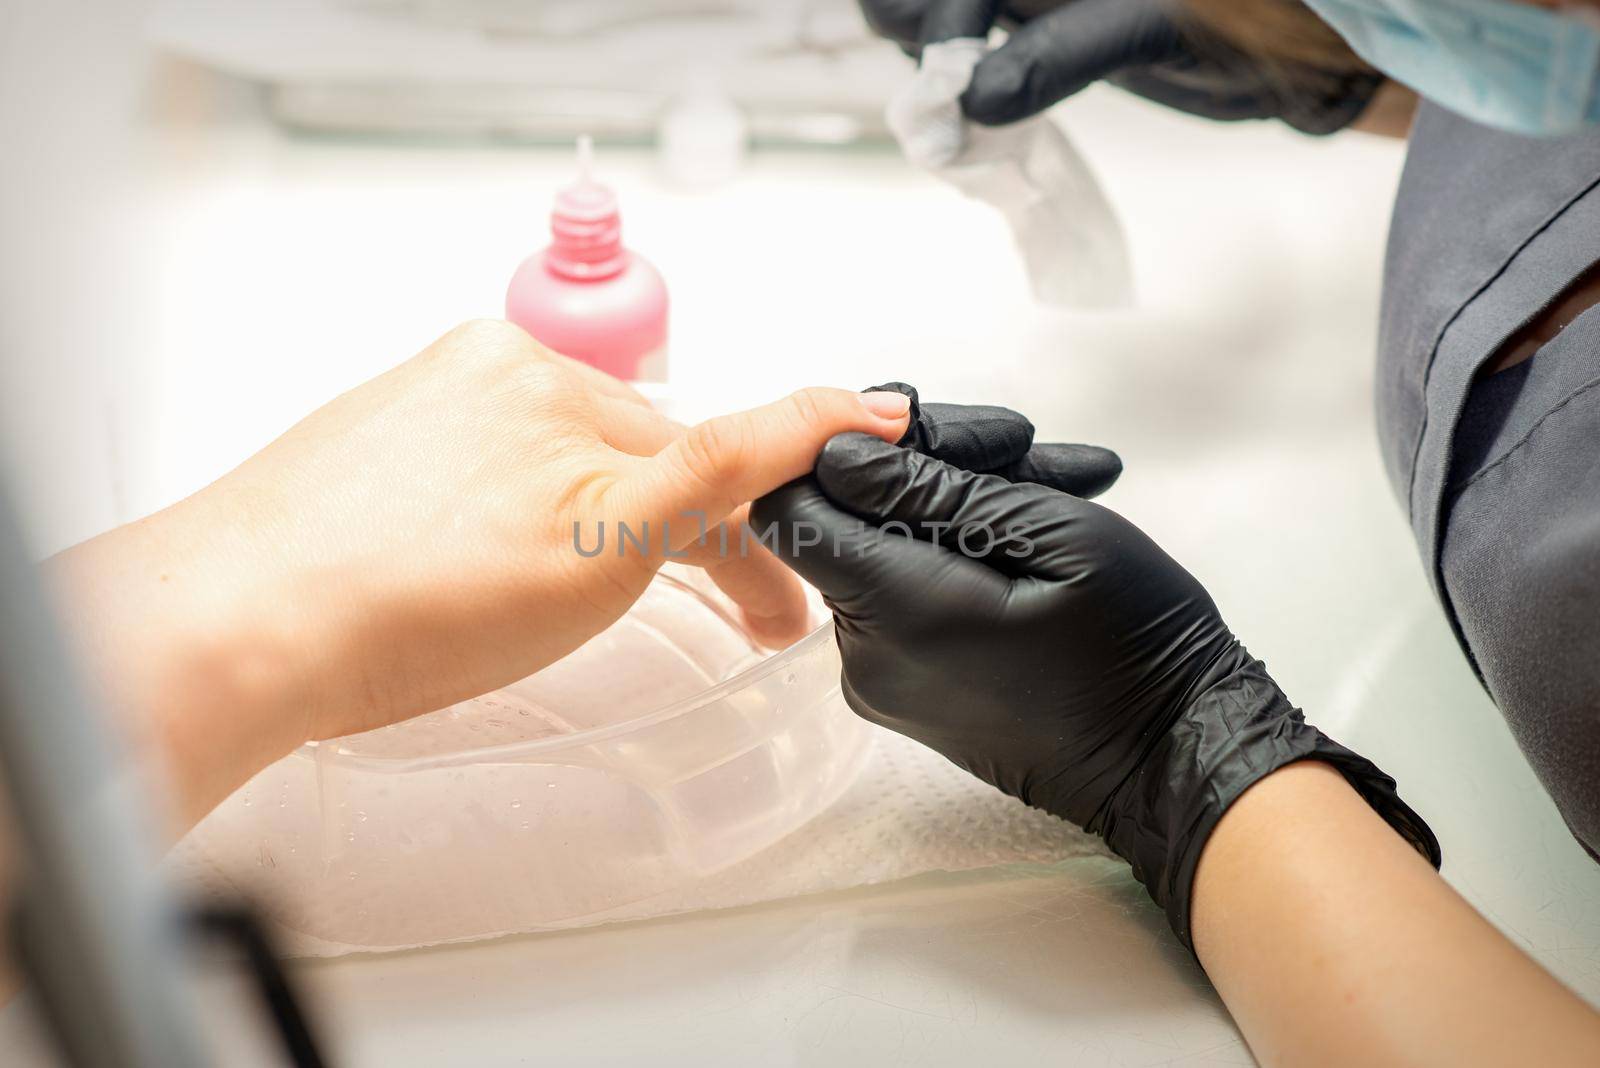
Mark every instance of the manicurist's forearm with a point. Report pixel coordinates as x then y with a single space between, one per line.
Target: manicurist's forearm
1333 942
1390 114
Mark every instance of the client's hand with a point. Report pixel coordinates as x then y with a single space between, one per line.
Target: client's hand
417 542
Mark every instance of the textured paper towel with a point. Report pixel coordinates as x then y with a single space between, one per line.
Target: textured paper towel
910 812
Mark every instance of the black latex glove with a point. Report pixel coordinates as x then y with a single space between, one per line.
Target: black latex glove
1142 46
1046 645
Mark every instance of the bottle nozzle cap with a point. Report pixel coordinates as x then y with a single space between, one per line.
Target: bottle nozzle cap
586 225
585 159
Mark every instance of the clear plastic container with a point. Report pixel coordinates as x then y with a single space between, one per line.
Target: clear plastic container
665 749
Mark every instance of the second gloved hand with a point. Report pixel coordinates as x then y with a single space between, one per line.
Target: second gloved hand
1048 646
1144 46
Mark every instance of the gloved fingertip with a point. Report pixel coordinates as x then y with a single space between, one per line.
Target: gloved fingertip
998 94
978 437
1102 469
1083 471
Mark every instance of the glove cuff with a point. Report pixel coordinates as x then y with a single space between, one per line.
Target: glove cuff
1237 731
1217 78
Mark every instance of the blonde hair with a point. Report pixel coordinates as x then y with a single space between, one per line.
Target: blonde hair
1278 32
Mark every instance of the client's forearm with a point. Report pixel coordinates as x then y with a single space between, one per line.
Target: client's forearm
176 628
1333 942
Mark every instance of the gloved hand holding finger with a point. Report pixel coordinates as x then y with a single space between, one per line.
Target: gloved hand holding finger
1050 647
970 437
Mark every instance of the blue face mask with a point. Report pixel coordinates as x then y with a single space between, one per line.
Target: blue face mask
1505 64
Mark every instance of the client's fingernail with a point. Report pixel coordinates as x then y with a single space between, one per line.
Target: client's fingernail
886 405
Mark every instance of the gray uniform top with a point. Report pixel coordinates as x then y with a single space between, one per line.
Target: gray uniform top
1501 475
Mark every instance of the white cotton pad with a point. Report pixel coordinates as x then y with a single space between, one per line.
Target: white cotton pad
1061 221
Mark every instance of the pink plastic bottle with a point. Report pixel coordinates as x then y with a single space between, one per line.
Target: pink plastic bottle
586 295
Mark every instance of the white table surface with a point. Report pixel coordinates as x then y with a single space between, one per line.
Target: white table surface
272 273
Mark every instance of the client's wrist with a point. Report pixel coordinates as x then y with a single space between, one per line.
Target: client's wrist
182 625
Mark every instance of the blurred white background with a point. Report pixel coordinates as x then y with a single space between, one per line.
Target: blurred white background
183 278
